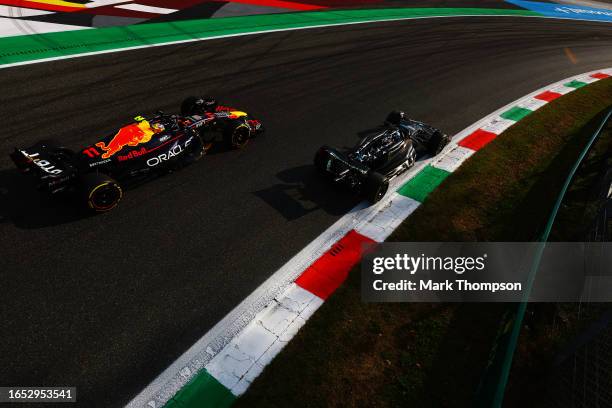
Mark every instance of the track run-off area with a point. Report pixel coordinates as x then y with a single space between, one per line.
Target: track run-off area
106 303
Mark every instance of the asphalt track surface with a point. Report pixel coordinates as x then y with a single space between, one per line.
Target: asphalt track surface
105 303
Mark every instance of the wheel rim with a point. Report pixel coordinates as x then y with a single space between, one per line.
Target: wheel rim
105 197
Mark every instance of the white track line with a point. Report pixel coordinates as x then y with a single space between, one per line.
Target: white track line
197 39
146 9
16 12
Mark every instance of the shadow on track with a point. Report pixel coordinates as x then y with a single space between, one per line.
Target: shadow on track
24 206
303 191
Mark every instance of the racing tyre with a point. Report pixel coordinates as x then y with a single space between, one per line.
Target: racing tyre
319 161
438 142
375 187
188 107
238 136
197 150
100 192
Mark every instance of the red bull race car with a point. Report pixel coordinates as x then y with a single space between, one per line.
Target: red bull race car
147 146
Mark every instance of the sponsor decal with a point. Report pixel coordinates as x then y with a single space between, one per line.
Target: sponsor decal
174 151
61 180
44 165
136 153
99 163
91 152
558 10
130 135
230 114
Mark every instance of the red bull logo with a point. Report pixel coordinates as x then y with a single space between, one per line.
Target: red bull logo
130 135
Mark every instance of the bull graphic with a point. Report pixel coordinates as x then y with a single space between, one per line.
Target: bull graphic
130 135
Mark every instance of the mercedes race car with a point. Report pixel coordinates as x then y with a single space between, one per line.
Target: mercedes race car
380 156
147 146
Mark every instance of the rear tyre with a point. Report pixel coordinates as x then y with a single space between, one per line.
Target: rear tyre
100 192
188 107
197 150
237 137
375 187
319 161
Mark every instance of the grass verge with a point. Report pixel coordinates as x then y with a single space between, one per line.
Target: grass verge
426 355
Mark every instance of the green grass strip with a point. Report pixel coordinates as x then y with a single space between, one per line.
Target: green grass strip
575 84
32 47
203 391
516 113
423 183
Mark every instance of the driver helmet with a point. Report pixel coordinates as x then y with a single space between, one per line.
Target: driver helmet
208 104
158 127
396 117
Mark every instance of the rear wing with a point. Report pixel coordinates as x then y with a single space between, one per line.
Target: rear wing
30 161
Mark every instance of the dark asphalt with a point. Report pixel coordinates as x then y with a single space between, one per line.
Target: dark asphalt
105 303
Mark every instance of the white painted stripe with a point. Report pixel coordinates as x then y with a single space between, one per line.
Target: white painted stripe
586 79
197 39
454 158
10 27
241 361
146 9
10 11
562 89
532 104
497 125
385 221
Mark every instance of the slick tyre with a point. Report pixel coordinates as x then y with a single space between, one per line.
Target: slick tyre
197 150
188 107
319 160
237 137
438 142
375 187
99 192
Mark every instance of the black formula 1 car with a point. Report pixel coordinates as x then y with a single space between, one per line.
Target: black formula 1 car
147 146
381 155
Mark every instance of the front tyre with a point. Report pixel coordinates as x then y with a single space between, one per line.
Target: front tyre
438 142
100 192
237 137
375 187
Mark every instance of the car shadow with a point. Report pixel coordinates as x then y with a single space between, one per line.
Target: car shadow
302 191
25 207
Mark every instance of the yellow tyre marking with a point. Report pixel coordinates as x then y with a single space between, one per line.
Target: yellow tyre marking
96 188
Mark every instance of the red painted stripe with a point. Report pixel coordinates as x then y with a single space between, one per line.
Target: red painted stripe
477 140
548 96
600 75
329 271
38 6
280 4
